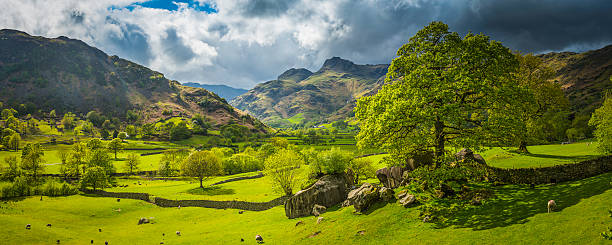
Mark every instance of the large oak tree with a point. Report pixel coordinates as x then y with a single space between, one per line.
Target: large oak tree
442 90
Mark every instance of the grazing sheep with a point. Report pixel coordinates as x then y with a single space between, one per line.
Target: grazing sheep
48 225
242 239
91 241
58 241
259 239
99 230
105 242
178 233
28 226
551 205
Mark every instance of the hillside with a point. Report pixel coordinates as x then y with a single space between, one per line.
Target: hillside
70 76
584 76
223 91
298 95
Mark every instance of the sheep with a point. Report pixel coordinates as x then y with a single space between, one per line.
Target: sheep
259 239
28 226
551 205
178 233
48 225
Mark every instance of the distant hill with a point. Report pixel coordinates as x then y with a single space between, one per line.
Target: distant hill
584 76
301 96
70 76
223 91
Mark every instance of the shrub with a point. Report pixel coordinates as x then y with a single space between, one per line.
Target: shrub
334 160
241 163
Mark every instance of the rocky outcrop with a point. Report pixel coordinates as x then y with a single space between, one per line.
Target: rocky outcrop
327 191
386 194
318 210
406 199
390 177
468 155
367 194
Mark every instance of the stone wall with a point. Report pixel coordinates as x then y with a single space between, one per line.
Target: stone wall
239 178
162 202
554 174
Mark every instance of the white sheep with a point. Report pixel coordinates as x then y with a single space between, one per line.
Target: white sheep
551 205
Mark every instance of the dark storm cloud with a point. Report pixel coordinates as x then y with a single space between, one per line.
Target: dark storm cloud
538 25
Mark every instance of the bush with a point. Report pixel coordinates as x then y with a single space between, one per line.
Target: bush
21 187
334 160
241 163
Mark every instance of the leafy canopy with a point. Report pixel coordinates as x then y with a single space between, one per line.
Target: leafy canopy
441 90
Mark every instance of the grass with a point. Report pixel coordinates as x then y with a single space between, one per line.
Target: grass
517 216
541 155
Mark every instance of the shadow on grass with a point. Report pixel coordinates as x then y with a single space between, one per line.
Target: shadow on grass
211 191
514 204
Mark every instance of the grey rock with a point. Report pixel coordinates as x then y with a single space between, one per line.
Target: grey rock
318 210
386 194
328 191
407 200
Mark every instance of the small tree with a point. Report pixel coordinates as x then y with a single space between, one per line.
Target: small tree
76 158
12 171
13 142
131 131
122 136
115 146
361 167
602 121
133 160
202 164
281 166
32 160
68 120
94 144
94 177
100 158
104 134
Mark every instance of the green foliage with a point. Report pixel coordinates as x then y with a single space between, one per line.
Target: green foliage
94 144
180 131
132 116
116 145
200 124
8 112
13 170
601 120
281 166
441 90
132 162
76 159
340 124
94 177
100 158
202 164
122 135
131 131
14 141
32 160
546 97
235 132
68 120
96 118
241 163
362 168
170 162
334 160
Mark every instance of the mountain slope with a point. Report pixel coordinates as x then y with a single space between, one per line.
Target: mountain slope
223 91
584 76
326 95
68 75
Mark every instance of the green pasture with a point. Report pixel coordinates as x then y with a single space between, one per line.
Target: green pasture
517 215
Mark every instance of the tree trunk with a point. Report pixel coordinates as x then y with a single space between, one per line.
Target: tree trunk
523 147
115 155
201 186
439 142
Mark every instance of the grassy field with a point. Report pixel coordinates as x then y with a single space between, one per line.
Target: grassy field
516 216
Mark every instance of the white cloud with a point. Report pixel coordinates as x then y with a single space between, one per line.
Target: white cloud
245 41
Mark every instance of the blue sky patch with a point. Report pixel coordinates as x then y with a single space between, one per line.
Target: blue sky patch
170 5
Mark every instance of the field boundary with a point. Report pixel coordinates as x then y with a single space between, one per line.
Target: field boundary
553 174
239 178
162 202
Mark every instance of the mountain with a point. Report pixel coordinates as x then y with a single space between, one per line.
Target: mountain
301 96
584 76
68 75
223 91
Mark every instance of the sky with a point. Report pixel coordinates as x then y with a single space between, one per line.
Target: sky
244 42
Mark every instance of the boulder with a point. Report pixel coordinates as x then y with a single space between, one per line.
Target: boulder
318 210
386 194
468 155
366 195
319 220
390 177
402 194
407 200
328 191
